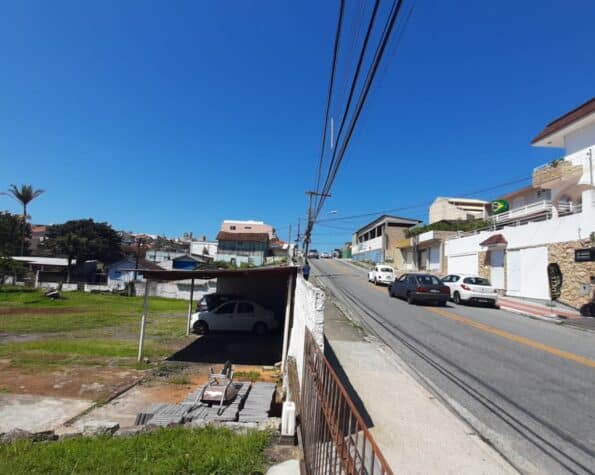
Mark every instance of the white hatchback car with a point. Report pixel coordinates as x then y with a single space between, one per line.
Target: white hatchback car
382 274
235 315
470 289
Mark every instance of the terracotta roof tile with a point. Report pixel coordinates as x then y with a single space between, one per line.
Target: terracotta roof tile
494 240
253 237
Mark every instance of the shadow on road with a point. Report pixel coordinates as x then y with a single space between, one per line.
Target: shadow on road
357 402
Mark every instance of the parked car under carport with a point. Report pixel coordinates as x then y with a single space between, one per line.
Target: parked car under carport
273 286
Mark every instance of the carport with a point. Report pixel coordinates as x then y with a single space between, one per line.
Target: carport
272 287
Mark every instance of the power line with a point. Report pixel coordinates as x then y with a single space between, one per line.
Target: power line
339 152
330 90
350 96
362 99
322 222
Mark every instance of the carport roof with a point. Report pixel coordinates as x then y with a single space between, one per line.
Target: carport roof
205 274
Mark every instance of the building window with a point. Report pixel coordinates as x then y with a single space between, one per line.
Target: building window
379 231
233 228
247 227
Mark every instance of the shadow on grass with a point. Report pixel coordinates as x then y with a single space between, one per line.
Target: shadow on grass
357 402
239 348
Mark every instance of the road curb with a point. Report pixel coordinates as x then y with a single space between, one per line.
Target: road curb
544 318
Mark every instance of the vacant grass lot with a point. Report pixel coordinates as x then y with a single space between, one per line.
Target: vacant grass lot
181 451
85 329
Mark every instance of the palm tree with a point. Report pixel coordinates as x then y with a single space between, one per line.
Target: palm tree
25 194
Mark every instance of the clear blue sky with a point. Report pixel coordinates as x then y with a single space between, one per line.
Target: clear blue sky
165 117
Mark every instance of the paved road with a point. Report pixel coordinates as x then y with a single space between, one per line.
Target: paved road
527 386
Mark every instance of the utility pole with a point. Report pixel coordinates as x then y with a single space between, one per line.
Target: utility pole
289 251
310 219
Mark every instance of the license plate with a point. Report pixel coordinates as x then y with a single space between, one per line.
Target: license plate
434 291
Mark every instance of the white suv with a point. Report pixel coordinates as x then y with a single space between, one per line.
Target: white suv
382 274
470 289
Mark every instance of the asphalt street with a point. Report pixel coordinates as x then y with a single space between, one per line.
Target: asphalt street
526 386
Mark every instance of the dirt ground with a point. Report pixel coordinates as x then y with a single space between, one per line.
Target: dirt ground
170 383
77 382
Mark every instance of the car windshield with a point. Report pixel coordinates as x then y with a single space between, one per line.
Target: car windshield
385 269
428 280
476 281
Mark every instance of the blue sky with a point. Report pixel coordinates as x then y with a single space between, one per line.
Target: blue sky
165 117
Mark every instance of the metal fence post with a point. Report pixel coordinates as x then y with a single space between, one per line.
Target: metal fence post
143 322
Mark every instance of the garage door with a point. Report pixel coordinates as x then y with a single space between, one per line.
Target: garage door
466 264
534 282
526 273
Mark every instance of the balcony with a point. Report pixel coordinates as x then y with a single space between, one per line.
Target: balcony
552 174
533 210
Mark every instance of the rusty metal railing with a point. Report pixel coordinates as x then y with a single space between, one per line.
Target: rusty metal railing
335 438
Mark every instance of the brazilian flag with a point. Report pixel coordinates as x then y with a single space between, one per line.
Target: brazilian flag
499 206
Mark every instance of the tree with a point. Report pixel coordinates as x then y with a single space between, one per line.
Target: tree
9 267
25 194
83 240
11 234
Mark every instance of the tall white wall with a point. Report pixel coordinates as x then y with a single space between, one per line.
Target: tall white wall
176 290
566 228
370 245
308 312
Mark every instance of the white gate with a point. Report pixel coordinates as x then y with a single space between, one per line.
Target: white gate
497 268
513 272
463 264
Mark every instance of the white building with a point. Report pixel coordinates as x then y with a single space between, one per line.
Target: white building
452 209
377 240
203 248
545 224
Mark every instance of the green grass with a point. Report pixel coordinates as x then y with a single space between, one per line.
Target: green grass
87 329
180 451
250 375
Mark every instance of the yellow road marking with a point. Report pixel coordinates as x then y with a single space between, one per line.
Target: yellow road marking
511 336
516 338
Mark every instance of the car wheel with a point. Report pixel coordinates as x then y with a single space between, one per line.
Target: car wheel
457 298
260 328
201 328
410 299
442 304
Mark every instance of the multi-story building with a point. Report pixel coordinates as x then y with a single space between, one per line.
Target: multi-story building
454 209
377 240
250 227
543 246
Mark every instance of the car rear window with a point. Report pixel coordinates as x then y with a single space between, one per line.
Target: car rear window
428 280
476 281
385 269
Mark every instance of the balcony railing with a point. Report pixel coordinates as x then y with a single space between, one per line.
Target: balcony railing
539 211
538 208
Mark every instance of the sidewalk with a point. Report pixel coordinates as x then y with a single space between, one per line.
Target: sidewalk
415 432
537 309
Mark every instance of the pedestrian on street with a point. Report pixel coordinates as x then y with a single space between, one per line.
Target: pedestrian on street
306 270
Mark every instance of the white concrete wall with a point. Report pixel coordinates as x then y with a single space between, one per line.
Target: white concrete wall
565 228
308 312
579 140
177 290
54 285
370 245
198 247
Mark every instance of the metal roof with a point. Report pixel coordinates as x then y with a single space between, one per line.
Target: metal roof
44 261
206 274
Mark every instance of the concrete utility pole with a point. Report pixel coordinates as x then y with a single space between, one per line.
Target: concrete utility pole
310 220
